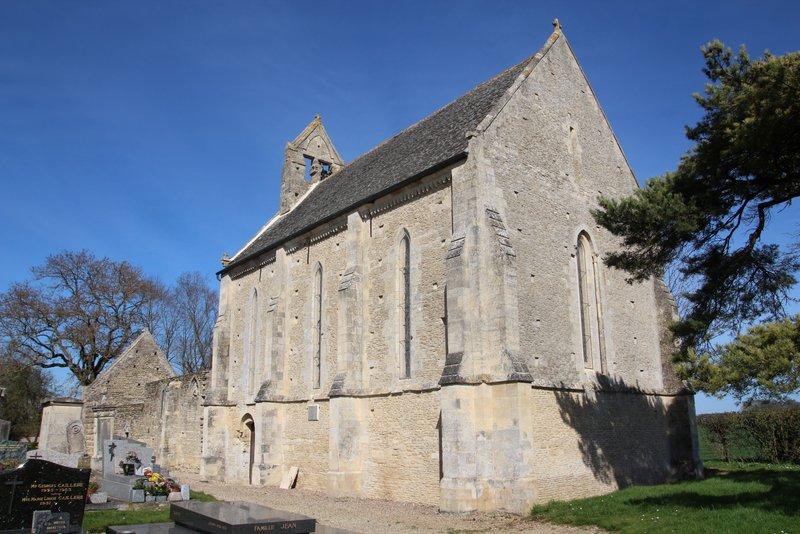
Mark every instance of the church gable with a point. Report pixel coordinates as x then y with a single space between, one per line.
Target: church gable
552 153
553 99
140 363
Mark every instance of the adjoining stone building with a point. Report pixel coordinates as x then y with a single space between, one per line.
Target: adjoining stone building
433 321
140 397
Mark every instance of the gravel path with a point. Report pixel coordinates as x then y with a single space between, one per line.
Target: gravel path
370 516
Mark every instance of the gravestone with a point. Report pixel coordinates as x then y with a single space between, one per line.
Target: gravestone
5 429
67 460
118 485
13 451
115 450
75 438
42 497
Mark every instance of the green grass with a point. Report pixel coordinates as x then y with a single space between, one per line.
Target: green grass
735 497
97 521
202 497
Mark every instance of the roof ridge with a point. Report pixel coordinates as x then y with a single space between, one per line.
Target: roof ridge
437 111
278 216
422 147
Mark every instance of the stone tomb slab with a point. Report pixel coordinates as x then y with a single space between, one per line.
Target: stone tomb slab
118 486
42 497
150 528
238 518
172 528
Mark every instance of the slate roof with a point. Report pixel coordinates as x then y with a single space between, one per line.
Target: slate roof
434 142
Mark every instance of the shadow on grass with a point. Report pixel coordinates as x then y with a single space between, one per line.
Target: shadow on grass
759 488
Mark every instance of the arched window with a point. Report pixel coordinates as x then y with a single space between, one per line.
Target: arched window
590 311
269 333
164 401
250 347
405 305
317 319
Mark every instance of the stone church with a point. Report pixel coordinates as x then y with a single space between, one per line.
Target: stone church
433 322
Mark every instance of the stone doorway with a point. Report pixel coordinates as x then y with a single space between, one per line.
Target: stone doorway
250 439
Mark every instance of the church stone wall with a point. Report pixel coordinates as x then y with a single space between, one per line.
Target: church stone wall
589 443
285 436
553 154
172 420
403 459
305 445
426 219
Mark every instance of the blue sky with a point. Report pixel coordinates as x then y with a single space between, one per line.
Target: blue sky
153 131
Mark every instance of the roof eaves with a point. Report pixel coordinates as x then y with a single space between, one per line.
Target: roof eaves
439 166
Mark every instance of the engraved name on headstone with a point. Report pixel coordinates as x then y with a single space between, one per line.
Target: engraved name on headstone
42 495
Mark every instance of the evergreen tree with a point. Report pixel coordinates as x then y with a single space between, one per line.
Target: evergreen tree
706 219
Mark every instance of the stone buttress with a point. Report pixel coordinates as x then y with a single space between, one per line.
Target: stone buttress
484 383
272 394
212 462
348 425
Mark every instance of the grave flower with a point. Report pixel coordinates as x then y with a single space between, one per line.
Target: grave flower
128 464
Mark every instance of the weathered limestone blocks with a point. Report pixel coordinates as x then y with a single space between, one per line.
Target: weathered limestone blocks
429 341
486 448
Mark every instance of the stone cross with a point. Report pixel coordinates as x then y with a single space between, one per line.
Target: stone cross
35 455
13 483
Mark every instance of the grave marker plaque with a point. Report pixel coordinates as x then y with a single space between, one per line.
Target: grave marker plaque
13 451
42 497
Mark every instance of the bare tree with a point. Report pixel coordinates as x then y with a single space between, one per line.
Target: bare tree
185 322
78 312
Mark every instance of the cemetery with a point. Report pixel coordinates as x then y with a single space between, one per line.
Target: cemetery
51 488
44 496
481 315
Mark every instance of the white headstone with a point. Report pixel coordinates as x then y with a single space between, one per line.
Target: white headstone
116 450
